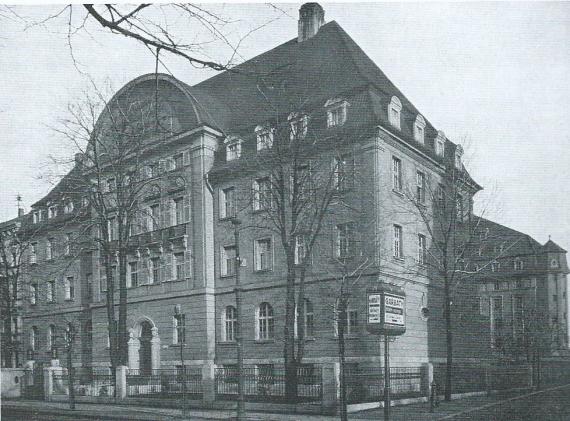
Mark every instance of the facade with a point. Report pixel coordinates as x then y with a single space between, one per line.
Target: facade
206 168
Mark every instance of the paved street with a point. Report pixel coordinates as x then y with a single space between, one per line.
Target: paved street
549 405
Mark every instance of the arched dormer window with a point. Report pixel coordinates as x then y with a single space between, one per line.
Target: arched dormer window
264 135
336 112
67 205
458 155
440 143
298 123
419 129
394 111
233 148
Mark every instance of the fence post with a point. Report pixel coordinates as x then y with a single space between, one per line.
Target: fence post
331 387
208 383
426 379
48 383
121 385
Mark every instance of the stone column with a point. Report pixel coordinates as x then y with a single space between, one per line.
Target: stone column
426 379
121 384
331 387
208 383
155 349
134 346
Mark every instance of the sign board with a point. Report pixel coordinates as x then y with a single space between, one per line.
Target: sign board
386 310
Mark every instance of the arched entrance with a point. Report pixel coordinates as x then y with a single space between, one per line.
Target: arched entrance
144 346
145 350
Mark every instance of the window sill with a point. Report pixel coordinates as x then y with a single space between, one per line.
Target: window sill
265 341
261 271
228 276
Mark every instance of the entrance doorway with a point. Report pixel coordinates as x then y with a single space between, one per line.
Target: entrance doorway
145 350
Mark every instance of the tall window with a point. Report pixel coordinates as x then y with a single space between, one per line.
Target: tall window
396 173
50 291
263 254
179 211
233 148
33 294
345 241
35 217
344 172
179 261
495 266
51 337
394 110
420 187
265 322
227 203
398 243
112 229
497 321
419 129
230 323
178 161
179 333
440 144
459 207
264 138
134 274
458 155
336 112
68 207
49 249
262 193
351 327
89 282
309 319
69 286
422 250
518 264
154 270
154 213
67 245
34 253
228 260
298 126
33 338
52 212
300 249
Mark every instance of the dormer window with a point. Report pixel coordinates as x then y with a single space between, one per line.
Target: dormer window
52 211
264 137
233 148
419 129
68 207
36 217
394 111
336 112
458 155
440 144
298 125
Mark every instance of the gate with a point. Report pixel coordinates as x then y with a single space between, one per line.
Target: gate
33 383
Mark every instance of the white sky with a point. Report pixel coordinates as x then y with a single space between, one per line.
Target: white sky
493 75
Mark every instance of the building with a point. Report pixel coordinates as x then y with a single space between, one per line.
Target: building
205 165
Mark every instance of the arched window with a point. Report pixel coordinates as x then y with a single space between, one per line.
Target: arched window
419 129
229 324
394 111
265 322
33 338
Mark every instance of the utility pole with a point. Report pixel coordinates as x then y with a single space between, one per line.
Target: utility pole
240 403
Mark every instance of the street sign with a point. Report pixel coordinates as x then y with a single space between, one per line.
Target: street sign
386 310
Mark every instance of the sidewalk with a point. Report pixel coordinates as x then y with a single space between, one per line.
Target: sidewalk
414 412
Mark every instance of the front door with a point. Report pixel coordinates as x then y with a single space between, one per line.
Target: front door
145 352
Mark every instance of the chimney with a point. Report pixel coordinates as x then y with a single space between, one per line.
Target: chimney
311 18
20 212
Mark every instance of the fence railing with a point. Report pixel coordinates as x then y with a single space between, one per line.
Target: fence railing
87 381
165 382
366 384
267 383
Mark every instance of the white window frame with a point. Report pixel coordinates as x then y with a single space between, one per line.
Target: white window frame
265 322
395 112
258 258
67 245
50 291
296 121
264 137
344 168
227 263
227 202
420 129
51 338
154 265
398 241
344 237
49 249
233 148
422 249
458 155
33 338
300 248
179 267
518 264
421 186
154 221
397 182
351 321
337 110
133 275
309 316
229 324
69 288
262 187
33 253
68 206
33 294
52 211
35 217
440 144
179 211
176 327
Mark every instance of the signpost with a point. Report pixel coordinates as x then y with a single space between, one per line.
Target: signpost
386 315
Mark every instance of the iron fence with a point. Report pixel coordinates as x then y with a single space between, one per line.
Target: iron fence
366 384
87 381
165 382
266 383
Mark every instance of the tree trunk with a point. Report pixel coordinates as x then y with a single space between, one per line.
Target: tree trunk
111 326
289 333
449 342
8 337
123 346
70 376
341 355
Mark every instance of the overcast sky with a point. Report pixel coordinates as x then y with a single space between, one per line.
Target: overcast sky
493 75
